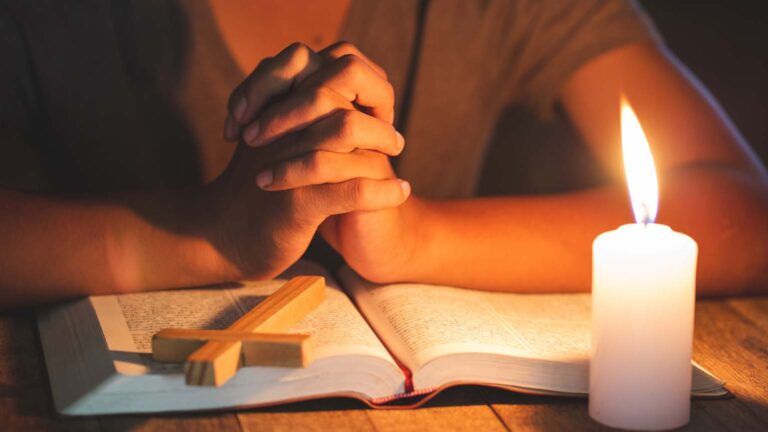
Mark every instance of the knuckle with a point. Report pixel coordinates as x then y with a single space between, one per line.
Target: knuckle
314 163
348 125
234 98
250 86
294 59
319 96
343 47
324 100
378 158
394 142
383 73
390 91
282 174
378 164
297 50
360 192
265 62
350 64
334 99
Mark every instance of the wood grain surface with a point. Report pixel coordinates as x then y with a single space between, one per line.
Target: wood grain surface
731 340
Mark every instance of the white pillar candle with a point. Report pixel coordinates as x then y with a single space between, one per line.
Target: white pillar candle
643 292
643 295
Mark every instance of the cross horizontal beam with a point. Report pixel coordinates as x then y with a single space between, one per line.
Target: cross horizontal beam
258 349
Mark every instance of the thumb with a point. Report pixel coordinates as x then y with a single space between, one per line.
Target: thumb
359 194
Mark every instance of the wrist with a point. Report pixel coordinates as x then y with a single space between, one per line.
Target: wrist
158 240
420 256
416 245
202 240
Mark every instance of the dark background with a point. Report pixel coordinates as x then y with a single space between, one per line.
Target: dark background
724 43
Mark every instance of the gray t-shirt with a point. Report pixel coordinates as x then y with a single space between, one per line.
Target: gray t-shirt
101 96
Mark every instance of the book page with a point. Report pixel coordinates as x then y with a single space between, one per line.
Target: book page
431 321
447 334
129 320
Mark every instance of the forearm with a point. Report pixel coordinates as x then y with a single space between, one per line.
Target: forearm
543 243
56 248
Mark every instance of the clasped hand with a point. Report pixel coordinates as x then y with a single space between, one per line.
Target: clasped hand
315 132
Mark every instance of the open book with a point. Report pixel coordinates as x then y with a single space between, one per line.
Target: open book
379 344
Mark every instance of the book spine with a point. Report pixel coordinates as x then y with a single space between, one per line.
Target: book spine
407 374
404 395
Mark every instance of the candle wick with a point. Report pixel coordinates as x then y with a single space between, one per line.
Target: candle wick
645 219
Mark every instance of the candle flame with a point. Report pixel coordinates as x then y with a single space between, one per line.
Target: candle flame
638 167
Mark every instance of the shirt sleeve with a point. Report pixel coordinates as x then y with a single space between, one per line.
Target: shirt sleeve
20 166
559 36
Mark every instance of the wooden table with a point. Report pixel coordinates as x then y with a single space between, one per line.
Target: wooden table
731 341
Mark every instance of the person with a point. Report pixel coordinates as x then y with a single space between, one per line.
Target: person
117 178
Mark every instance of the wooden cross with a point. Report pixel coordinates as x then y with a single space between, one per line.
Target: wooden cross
212 357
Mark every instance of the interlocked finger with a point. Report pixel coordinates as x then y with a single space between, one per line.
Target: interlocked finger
323 167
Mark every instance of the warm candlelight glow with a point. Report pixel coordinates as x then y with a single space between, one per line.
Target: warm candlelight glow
638 167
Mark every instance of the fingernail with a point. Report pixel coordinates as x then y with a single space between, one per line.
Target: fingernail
264 179
251 133
240 108
229 129
400 140
406 187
